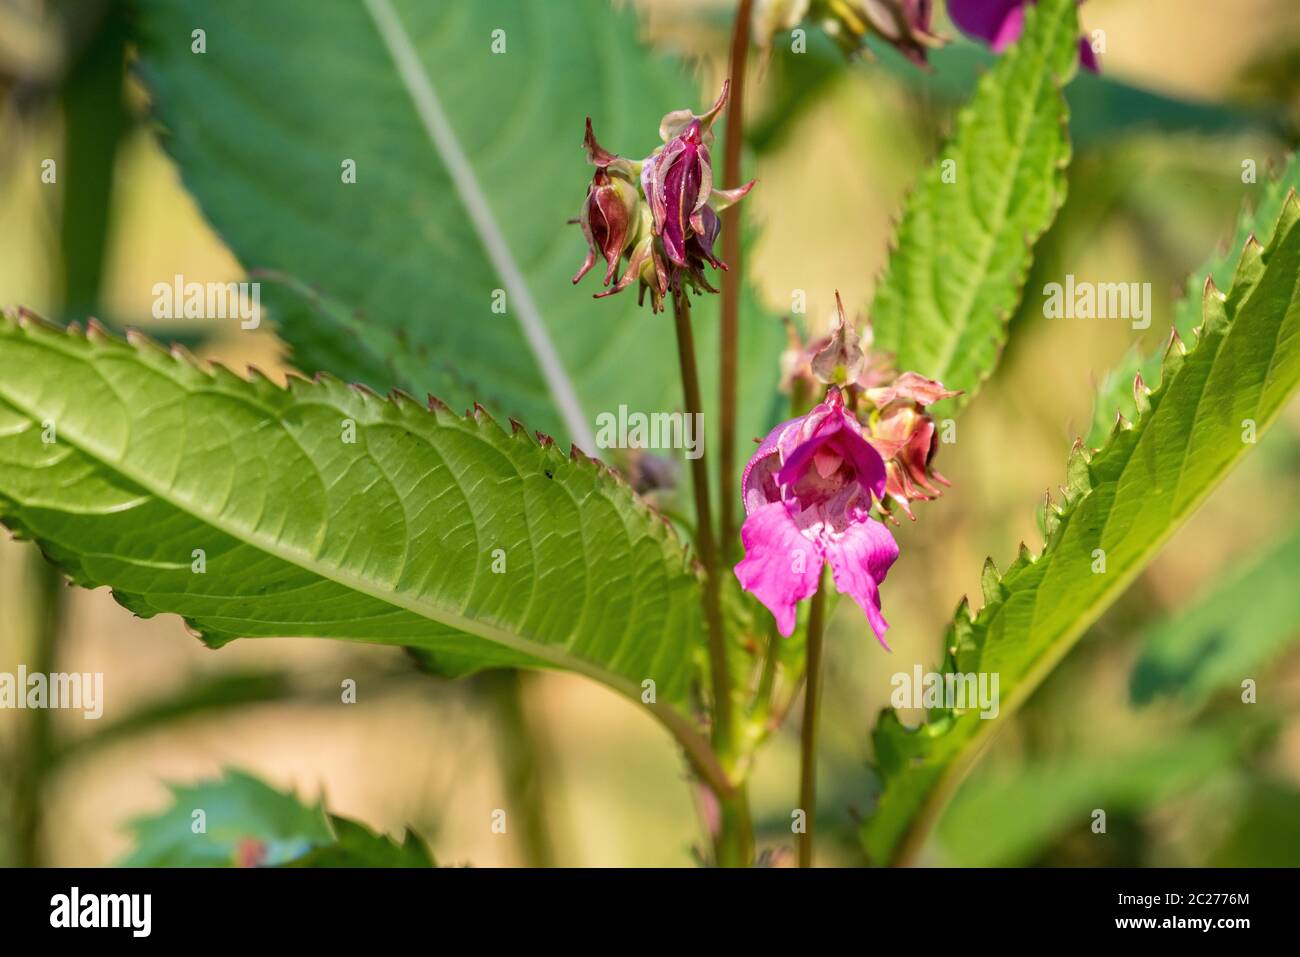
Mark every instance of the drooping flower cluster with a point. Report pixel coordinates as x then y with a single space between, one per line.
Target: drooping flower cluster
891 407
659 213
812 483
904 434
999 23
903 24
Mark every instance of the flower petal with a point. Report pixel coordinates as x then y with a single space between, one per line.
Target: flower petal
910 387
860 558
597 155
1010 29
758 483
829 422
720 199
997 22
781 567
681 189
1087 57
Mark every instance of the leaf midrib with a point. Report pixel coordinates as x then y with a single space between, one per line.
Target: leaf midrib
441 135
1003 214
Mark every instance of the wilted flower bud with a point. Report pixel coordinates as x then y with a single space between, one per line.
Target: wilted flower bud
611 210
647 472
904 24
606 219
844 357
841 360
904 434
661 212
678 177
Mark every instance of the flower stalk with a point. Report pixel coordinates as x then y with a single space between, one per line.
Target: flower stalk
734 844
808 733
37 747
731 253
719 671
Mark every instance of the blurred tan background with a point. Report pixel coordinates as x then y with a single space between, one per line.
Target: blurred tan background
1144 205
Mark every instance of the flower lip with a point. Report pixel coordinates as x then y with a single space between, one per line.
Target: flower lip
829 428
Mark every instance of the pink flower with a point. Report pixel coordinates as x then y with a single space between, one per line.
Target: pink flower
1000 22
808 492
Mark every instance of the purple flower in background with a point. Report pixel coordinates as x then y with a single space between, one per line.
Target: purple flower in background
904 24
1000 22
808 493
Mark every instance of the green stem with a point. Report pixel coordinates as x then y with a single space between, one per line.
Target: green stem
761 711
524 755
718 668
734 842
731 255
808 734
37 748
95 121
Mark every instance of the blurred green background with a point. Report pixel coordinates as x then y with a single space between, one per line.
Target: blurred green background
1144 719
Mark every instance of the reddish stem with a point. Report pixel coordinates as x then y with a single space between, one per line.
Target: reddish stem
731 255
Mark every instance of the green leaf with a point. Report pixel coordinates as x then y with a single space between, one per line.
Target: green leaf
323 510
468 167
355 845
1115 395
239 820
1002 822
1122 503
964 246
242 820
1237 628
